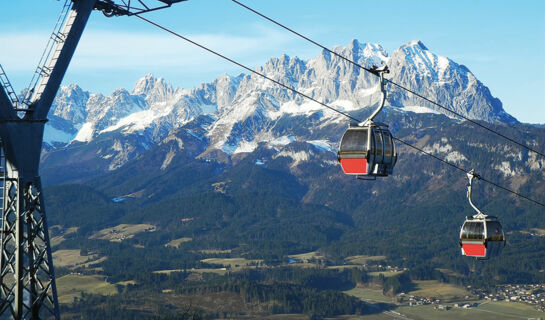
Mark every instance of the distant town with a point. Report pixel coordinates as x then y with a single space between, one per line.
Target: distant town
533 294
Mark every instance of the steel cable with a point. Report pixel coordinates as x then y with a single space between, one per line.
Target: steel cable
321 103
390 81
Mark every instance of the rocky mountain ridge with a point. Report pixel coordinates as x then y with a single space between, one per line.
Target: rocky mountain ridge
237 113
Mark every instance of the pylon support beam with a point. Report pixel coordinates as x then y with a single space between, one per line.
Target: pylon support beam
27 276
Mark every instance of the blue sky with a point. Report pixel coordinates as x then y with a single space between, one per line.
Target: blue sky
502 42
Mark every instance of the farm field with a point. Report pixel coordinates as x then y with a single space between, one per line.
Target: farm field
363 259
303 265
305 257
512 309
342 267
72 285
232 263
368 294
220 271
56 240
385 273
122 232
439 290
177 242
73 259
215 251
490 312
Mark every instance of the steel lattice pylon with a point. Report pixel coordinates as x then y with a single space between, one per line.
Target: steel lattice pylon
26 252
27 278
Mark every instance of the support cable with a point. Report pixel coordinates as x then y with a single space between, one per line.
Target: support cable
390 81
463 170
323 104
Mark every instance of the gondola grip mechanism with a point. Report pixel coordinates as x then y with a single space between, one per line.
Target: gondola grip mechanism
379 71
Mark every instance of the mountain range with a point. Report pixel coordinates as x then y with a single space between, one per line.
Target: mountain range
234 114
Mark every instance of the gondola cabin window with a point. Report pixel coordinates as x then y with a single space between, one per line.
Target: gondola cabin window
388 146
473 231
355 140
494 231
379 145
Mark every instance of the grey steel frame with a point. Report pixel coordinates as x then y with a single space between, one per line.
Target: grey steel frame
27 276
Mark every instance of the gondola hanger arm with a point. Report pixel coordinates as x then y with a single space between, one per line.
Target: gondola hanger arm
379 71
471 175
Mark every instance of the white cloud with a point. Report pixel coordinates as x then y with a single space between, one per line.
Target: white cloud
101 49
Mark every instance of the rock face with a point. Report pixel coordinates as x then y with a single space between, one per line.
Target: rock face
247 110
443 81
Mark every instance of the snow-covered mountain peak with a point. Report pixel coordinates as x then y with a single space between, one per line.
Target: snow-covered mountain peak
423 61
155 89
375 50
225 89
447 82
361 52
415 44
284 69
70 104
144 84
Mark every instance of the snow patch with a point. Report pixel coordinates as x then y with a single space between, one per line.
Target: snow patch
135 121
322 145
436 148
297 157
368 91
535 162
345 105
282 141
85 134
246 146
455 157
419 109
331 162
505 168
239 147
292 108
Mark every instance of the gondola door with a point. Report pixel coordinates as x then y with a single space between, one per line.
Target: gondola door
472 239
378 168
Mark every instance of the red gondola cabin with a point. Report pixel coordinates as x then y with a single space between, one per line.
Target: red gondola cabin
481 237
367 151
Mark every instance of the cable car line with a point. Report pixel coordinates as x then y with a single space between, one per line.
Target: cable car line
325 105
305 37
465 171
389 81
